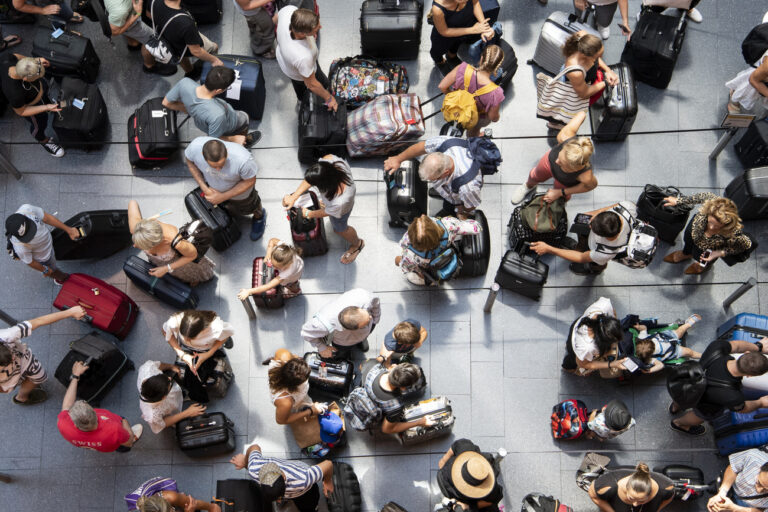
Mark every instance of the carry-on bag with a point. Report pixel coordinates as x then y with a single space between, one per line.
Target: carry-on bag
556 29
752 148
332 377
238 495
209 434
218 381
557 101
688 481
613 115
153 136
358 80
438 409
102 234
749 322
69 53
167 289
569 419
406 194
321 131
346 495
669 221
263 274
83 120
518 230
654 46
475 250
539 502
522 272
106 365
736 431
247 92
750 193
107 308
205 12
391 29
307 234
384 126
225 229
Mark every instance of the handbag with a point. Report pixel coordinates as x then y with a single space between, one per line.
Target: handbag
156 46
592 466
558 100
542 217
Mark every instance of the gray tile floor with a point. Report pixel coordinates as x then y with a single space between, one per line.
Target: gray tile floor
501 370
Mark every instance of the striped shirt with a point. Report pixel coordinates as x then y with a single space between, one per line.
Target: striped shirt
21 357
469 193
299 477
746 465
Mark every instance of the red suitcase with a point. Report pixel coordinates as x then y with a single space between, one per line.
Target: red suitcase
108 308
262 274
309 234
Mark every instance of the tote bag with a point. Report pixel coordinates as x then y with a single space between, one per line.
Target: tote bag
558 100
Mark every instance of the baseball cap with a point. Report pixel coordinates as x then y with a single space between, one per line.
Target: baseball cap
21 227
271 481
330 427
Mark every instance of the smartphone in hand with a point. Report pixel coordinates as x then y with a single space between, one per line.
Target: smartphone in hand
702 262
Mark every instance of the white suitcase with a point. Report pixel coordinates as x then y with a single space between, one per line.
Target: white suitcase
556 29
438 409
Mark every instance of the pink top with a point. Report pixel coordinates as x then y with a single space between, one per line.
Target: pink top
485 102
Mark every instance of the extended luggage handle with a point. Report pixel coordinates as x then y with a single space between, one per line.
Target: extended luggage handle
430 100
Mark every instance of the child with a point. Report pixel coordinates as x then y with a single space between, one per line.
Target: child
402 341
287 261
663 346
610 421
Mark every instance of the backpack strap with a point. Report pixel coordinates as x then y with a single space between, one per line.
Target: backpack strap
162 30
471 173
480 90
442 245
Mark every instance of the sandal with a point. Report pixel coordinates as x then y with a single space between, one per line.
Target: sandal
36 396
76 18
10 42
692 319
351 256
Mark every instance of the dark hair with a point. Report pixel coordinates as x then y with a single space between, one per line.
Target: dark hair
752 364
606 329
327 177
587 44
193 322
6 357
214 150
155 388
219 77
606 224
764 468
404 375
289 375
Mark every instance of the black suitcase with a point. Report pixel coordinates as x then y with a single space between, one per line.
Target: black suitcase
209 434
406 194
83 122
106 364
518 231
167 289
683 476
750 193
225 230
346 495
338 375
613 115
438 409
236 495
205 12
70 54
654 46
475 250
669 221
752 148
102 234
491 9
321 131
508 65
391 29
152 135
252 92
521 272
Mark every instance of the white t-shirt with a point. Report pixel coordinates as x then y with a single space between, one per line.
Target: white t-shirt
40 248
218 330
343 203
294 271
297 58
583 344
153 413
611 247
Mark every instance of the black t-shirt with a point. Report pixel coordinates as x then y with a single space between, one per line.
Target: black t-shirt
610 481
569 179
18 92
182 31
449 490
717 398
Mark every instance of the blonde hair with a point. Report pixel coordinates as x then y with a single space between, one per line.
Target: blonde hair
424 234
147 234
491 58
587 44
725 212
640 481
283 254
577 152
30 69
644 349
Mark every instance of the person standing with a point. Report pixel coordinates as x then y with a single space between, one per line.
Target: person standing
124 18
261 27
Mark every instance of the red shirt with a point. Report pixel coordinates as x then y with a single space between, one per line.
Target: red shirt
109 434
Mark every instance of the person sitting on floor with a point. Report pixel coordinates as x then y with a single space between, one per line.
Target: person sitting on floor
162 397
664 345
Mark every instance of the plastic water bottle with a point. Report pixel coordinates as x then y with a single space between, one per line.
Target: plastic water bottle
323 371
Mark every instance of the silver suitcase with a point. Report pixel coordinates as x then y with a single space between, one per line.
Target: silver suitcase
557 28
438 409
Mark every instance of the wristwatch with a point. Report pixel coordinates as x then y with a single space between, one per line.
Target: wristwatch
759 346
170 270
74 377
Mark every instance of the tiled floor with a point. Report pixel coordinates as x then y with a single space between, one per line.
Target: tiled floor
501 370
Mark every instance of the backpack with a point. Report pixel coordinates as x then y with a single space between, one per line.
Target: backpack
569 419
687 382
755 44
537 502
157 46
486 158
460 105
641 245
362 412
542 217
444 260
357 80
196 233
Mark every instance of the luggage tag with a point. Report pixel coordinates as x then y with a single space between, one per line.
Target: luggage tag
56 33
233 92
158 113
78 103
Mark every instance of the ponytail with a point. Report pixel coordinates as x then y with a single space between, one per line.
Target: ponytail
587 44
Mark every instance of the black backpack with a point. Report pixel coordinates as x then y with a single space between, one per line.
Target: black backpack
196 233
755 44
299 223
688 381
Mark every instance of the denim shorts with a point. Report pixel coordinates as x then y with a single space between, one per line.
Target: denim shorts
339 224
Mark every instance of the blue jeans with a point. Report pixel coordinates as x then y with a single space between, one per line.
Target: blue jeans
475 50
340 224
65 14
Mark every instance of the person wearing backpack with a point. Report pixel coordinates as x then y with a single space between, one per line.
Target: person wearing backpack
388 388
744 484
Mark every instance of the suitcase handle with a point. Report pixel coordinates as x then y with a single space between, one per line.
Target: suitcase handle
87 318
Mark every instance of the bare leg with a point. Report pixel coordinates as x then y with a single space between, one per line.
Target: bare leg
688 420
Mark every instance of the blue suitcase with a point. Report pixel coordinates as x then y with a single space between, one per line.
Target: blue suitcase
740 431
248 91
750 322
745 335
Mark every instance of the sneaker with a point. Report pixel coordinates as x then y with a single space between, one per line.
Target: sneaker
160 69
521 193
695 16
229 343
696 430
258 226
252 139
765 17
363 345
137 430
54 149
605 32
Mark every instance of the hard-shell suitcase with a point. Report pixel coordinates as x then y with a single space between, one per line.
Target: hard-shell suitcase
209 434
107 308
384 126
391 28
519 232
752 148
167 289
346 495
683 476
475 250
263 274
521 272
107 363
654 46
247 92
225 229
235 495
329 376
669 221
152 135
753 388
556 29
70 54
508 66
102 234
321 131
83 122
312 241
438 409
739 431
750 193
205 12
613 115
406 194
749 322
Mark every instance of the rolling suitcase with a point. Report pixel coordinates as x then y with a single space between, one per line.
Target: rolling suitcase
669 221
83 121
753 388
108 308
153 137
384 126
321 131
308 234
329 376
205 12
508 66
521 271
247 92
739 431
209 434
356 81
391 28
345 496
475 250
438 409
225 230
102 234
749 322
406 194
107 363
752 148
263 274
167 289
556 29
235 495
613 115
750 193
654 46
684 476
69 53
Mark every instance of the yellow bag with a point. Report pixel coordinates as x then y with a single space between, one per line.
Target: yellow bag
460 105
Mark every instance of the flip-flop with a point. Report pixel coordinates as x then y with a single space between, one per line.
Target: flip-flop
76 18
352 254
691 320
36 396
10 42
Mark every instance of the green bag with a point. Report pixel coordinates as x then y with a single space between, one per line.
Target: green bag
541 217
